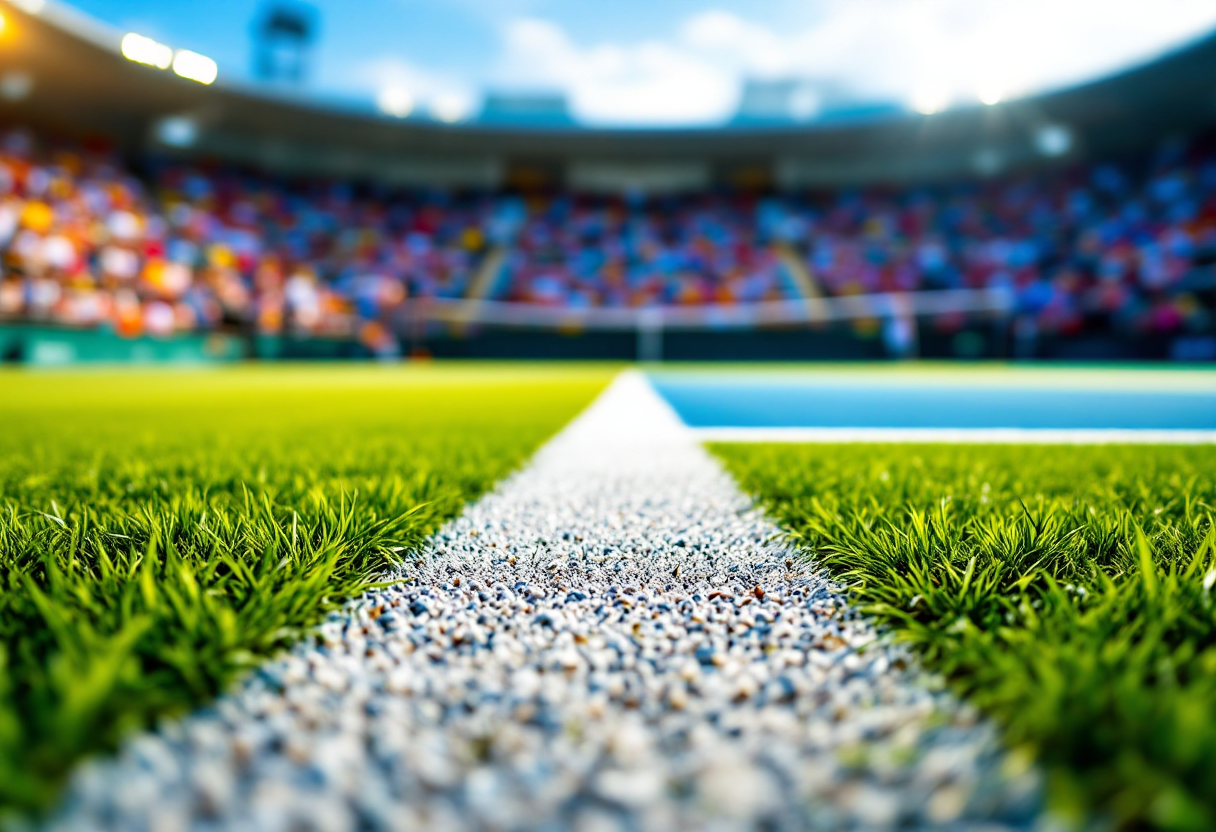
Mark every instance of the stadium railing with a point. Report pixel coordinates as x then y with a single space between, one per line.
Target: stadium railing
898 311
716 316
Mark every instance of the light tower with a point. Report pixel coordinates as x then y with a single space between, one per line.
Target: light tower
283 34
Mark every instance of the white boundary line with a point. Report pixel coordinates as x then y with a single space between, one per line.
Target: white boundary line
1013 436
620 533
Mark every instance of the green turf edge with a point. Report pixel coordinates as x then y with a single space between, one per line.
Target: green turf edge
1065 590
161 533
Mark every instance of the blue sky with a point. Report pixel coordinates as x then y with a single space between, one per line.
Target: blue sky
669 62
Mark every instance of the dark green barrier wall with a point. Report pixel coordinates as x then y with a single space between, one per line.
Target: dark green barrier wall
51 346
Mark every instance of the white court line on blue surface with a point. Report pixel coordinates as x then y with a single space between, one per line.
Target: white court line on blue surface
1024 436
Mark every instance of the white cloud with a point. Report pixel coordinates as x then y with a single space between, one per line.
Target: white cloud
895 46
400 88
651 81
745 45
894 49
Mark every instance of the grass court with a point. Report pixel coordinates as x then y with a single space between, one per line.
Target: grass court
163 533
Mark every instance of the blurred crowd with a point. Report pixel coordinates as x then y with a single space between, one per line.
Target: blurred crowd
1099 248
85 242
582 251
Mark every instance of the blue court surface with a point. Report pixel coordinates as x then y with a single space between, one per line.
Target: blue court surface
1025 401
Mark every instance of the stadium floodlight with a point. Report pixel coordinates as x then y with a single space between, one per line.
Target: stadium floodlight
2 22
990 94
929 100
450 107
395 101
177 131
195 67
1053 140
144 50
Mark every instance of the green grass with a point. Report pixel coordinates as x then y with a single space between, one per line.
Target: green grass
161 533
1067 591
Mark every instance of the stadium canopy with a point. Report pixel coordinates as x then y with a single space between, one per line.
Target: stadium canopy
63 73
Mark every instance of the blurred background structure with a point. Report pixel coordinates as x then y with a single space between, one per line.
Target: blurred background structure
283 36
153 208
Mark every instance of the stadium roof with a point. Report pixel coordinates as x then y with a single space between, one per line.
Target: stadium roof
61 72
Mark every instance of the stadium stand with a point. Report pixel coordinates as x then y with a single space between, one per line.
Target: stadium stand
1047 221
85 242
576 251
1103 247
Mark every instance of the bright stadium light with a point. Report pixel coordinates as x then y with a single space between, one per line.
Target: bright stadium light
195 67
1053 140
177 131
990 94
450 107
146 51
928 100
395 101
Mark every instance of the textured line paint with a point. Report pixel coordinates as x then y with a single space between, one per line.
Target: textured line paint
615 639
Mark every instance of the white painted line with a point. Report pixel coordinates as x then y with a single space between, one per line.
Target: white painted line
1024 436
613 639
